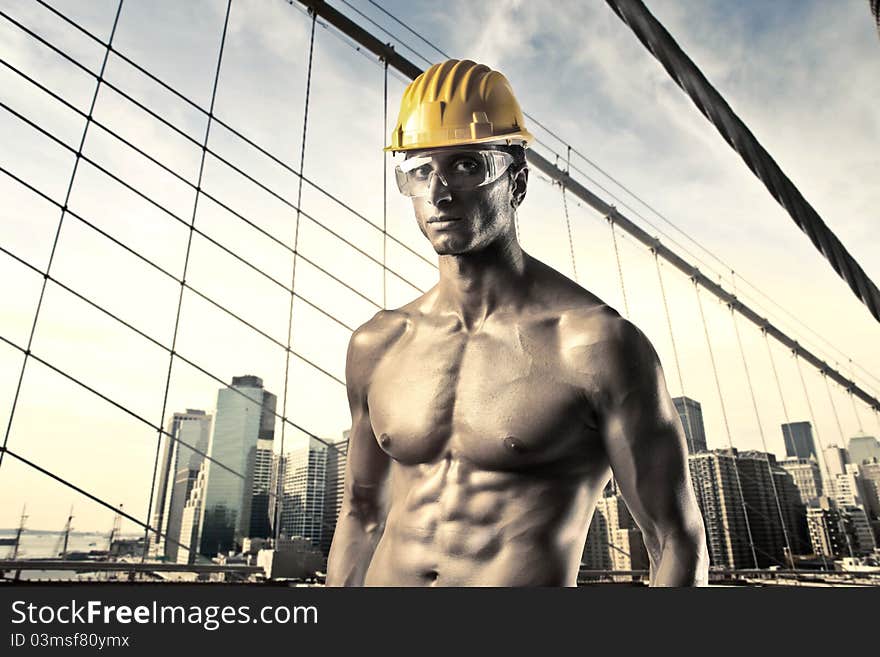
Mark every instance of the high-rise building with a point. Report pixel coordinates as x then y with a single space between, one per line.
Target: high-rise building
337 458
863 449
826 528
303 474
807 477
245 417
765 520
798 437
181 455
190 522
836 460
614 541
793 510
260 463
691 414
714 477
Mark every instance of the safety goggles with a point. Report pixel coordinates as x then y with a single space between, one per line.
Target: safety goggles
457 170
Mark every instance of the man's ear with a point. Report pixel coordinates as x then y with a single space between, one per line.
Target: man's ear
519 183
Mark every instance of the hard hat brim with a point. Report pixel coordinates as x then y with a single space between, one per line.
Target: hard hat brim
522 136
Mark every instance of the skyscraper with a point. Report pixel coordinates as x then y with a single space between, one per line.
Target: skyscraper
691 414
303 473
614 541
718 495
337 457
807 477
863 449
766 521
798 437
244 424
188 435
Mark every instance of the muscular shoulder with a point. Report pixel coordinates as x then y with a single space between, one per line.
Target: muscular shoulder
370 341
610 354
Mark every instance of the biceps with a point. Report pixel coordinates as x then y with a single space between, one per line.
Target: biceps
646 449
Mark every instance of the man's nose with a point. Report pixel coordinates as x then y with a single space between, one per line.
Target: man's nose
438 192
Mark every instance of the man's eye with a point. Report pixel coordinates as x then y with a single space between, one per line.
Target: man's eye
466 166
421 173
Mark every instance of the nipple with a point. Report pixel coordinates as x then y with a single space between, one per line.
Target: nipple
514 445
385 440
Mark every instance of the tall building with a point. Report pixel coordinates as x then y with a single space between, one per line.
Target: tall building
836 460
765 521
863 449
718 495
798 437
807 477
303 475
793 510
260 464
190 522
337 458
245 417
181 456
691 414
826 529
614 541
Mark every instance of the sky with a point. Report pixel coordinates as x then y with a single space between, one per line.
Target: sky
804 78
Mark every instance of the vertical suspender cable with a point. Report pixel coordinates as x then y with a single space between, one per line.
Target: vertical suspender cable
568 229
610 219
279 484
690 428
385 195
82 141
745 363
834 410
183 279
742 498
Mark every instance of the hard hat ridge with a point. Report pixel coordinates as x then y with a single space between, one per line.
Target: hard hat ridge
458 102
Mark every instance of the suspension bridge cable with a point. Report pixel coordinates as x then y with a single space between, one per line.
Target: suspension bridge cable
726 425
302 160
610 219
684 398
220 159
745 363
214 199
78 156
830 481
574 270
216 120
713 106
875 9
189 241
834 411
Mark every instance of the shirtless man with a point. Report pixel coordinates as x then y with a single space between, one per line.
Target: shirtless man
489 413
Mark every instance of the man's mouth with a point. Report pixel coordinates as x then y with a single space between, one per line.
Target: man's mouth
443 221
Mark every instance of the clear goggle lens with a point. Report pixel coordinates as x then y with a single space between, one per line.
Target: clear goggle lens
457 170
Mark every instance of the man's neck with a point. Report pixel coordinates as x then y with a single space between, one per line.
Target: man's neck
474 285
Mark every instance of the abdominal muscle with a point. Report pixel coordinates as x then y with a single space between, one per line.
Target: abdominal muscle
452 524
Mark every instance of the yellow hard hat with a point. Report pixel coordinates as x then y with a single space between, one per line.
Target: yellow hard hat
458 102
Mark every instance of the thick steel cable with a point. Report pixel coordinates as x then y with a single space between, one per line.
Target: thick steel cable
199 108
78 156
875 9
713 106
684 397
726 425
742 353
189 241
302 159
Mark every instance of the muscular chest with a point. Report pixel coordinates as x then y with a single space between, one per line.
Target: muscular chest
500 399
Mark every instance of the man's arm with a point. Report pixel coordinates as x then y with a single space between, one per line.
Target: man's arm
645 443
362 515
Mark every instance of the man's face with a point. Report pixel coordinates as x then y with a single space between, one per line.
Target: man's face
462 221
